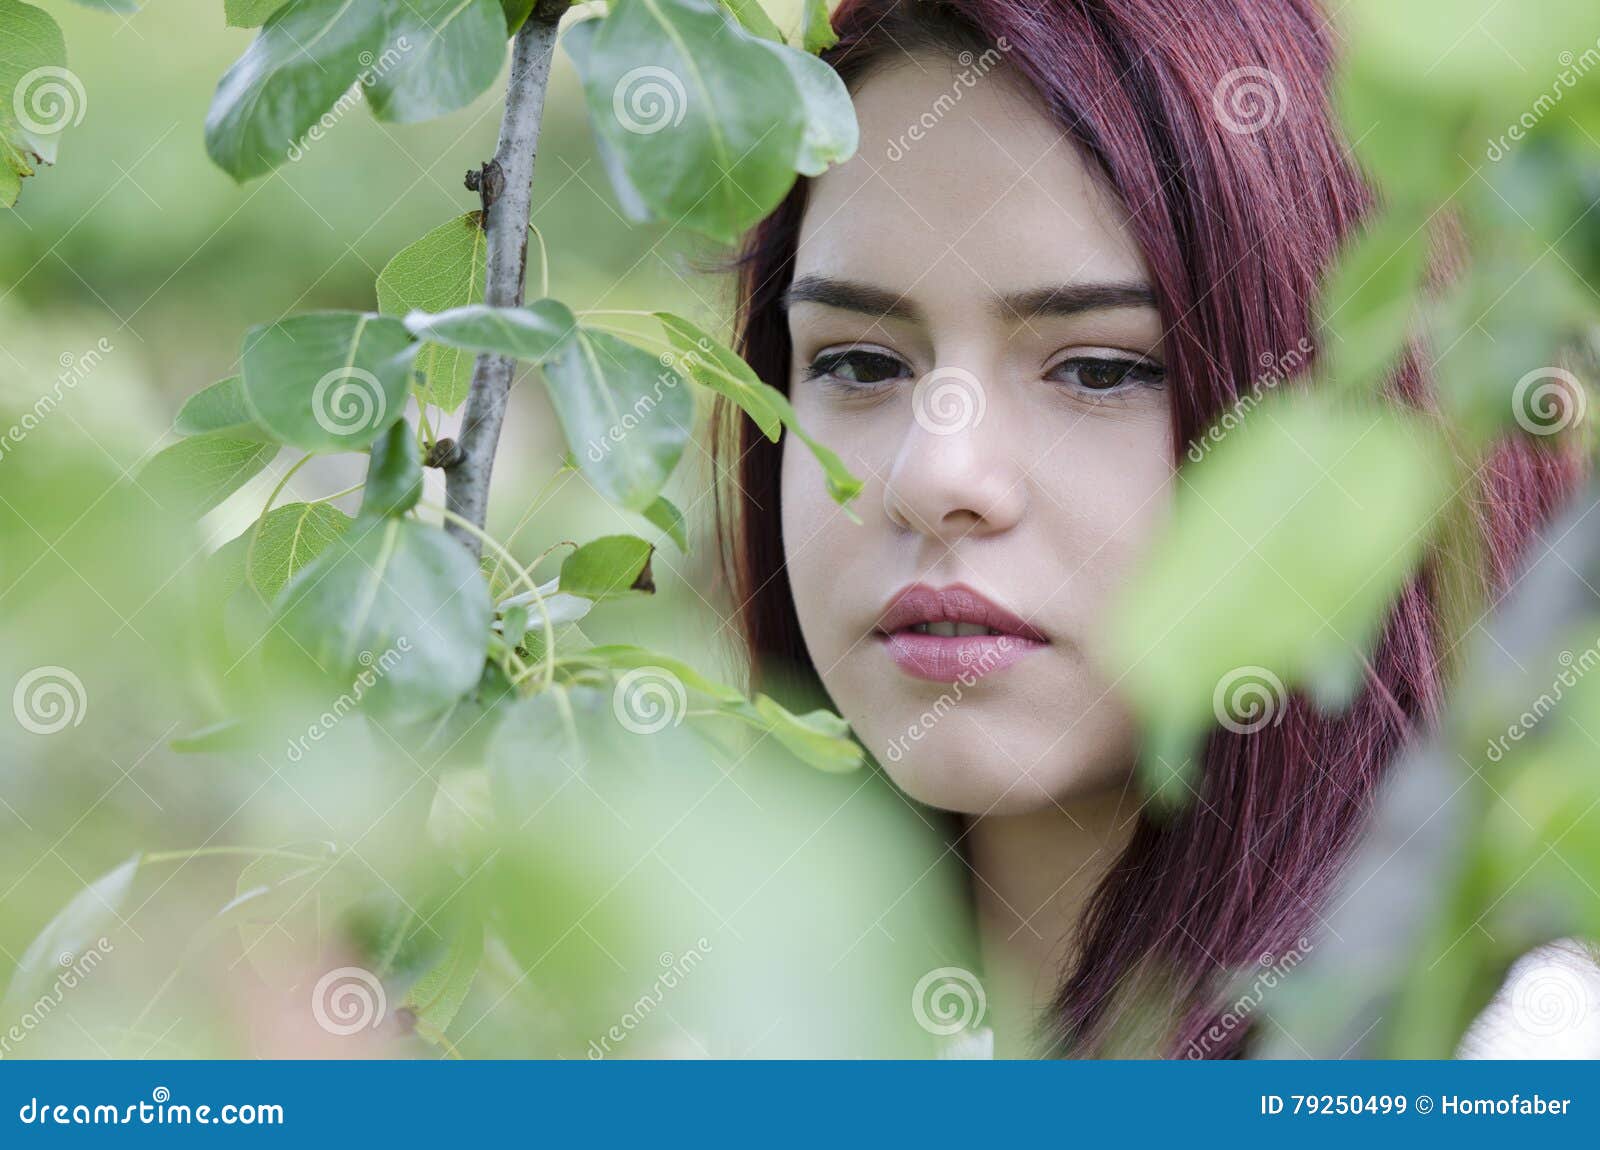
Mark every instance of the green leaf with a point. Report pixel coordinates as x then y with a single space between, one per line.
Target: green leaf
442 270
703 121
610 566
819 35
194 475
39 97
13 169
666 516
821 739
444 53
1286 546
327 381
627 416
305 58
717 367
223 735
393 585
531 333
1495 57
220 409
436 997
831 133
516 13
282 904
754 18
394 474
713 365
1369 300
579 42
272 550
514 625
78 928
249 13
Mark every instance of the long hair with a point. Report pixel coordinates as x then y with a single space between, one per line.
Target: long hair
1239 207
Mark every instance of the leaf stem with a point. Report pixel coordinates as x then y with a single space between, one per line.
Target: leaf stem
482 537
255 534
506 221
212 852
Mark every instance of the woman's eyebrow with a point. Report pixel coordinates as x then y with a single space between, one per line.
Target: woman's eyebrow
850 295
1072 298
1035 303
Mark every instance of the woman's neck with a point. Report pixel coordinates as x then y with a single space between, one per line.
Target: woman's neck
1033 876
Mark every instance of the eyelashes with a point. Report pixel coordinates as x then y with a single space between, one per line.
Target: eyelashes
1107 374
864 371
857 369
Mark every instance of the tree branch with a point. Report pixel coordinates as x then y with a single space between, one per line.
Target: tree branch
505 185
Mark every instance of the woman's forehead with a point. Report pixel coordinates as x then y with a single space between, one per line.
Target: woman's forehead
962 180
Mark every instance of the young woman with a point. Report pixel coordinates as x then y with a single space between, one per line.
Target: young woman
1067 245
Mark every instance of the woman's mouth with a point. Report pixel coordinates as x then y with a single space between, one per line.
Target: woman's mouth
952 634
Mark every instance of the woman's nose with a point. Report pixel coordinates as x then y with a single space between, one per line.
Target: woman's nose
957 472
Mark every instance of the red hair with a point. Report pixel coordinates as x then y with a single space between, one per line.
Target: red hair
1236 229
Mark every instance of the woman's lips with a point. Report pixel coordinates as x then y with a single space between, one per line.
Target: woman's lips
915 630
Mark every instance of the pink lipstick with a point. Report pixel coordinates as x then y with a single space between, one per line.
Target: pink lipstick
950 634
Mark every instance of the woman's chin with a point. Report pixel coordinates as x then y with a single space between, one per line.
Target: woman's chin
972 781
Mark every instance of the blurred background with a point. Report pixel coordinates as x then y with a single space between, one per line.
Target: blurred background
682 895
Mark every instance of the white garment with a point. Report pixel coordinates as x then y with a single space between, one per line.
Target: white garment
1548 1007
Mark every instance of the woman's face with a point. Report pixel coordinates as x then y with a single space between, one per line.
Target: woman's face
973 333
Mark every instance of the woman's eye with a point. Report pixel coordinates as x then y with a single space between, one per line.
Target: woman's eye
1103 375
859 367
